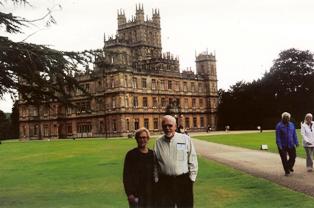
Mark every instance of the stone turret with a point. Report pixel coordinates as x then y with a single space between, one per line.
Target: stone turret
206 65
121 17
156 16
139 14
206 68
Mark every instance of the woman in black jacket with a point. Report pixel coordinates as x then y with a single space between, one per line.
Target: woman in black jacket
140 172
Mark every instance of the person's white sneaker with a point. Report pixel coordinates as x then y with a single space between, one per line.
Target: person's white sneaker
309 169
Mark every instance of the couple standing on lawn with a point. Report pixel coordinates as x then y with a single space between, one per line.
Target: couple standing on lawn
163 177
287 141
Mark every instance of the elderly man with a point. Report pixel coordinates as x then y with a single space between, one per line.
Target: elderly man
177 160
287 141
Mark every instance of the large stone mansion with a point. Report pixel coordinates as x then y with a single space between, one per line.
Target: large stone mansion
132 86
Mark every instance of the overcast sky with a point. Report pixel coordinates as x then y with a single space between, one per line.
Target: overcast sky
246 35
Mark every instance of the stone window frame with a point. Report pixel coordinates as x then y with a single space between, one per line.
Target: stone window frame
145 102
155 102
193 102
144 83
146 123
135 102
156 123
154 84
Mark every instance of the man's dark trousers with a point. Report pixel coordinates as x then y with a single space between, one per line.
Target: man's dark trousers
175 190
287 164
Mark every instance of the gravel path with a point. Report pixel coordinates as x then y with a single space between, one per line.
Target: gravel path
259 163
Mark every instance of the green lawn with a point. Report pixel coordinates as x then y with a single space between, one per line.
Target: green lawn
88 173
250 140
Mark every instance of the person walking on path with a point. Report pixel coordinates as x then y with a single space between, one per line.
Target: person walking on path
178 165
139 173
287 141
307 132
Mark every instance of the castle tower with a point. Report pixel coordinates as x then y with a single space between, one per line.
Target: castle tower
139 14
156 16
121 18
142 37
206 68
206 65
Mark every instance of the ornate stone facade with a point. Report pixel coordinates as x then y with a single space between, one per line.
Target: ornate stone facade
133 85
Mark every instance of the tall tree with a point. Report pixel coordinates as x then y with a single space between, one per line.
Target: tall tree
37 72
4 126
14 122
292 80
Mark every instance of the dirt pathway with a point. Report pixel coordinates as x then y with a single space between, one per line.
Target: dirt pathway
259 163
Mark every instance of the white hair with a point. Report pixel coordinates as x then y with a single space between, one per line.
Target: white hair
141 130
171 118
286 114
308 115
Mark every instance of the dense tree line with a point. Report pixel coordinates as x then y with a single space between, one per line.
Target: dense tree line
288 86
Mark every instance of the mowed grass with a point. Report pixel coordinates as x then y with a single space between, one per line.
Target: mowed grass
88 173
251 140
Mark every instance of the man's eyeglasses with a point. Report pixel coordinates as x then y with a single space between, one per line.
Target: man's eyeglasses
167 125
